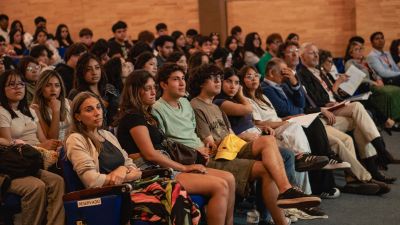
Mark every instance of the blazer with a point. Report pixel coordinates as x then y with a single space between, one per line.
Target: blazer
313 87
292 103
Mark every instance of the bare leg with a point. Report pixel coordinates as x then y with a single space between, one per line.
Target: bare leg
230 179
266 147
215 187
269 192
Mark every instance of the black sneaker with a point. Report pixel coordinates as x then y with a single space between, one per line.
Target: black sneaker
384 188
295 198
361 188
314 212
307 162
383 178
332 194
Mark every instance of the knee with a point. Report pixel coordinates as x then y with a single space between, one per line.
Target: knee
267 139
221 188
37 187
230 179
358 106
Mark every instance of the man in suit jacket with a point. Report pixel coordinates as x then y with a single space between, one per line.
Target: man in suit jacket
365 131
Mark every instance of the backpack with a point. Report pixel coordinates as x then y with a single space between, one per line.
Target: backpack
20 160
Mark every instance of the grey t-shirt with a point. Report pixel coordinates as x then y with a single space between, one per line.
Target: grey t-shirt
210 120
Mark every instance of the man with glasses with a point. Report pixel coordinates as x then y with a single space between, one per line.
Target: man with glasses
177 119
273 42
381 61
344 117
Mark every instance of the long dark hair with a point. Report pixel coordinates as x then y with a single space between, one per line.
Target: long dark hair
59 38
258 94
23 107
249 46
42 102
14 26
113 70
12 41
130 98
38 31
394 50
81 69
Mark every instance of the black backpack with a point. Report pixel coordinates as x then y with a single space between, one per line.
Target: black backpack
20 160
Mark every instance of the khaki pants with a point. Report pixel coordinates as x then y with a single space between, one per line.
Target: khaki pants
342 144
354 117
41 195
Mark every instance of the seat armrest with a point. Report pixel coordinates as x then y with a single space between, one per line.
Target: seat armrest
96 192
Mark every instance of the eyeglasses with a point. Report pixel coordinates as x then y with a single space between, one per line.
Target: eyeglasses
150 88
313 52
216 77
293 50
32 68
252 76
15 85
277 42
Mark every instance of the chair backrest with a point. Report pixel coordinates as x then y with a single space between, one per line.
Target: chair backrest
72 181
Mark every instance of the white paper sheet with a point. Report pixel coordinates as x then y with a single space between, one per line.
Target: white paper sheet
305 120
360 97
355 78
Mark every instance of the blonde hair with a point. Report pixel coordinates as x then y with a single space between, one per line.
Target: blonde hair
78 126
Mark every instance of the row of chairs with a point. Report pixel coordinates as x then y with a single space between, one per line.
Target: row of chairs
107 205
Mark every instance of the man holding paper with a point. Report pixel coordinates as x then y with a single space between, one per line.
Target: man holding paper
351 116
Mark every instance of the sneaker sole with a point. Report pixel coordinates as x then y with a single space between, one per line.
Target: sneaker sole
303 202
315 166
336 167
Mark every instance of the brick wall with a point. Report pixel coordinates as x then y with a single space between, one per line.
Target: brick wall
328 23
99 15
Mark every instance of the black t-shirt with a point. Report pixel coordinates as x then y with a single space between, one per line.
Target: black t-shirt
110 158
67 74
130 121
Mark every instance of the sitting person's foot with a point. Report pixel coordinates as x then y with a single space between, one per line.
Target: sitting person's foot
361 188
336 164
384 187
314 212
331 194
295 198
396 127
307 162
383 178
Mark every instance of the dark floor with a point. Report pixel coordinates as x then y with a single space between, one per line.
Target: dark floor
365 210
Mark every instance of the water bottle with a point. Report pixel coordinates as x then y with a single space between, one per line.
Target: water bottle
253 217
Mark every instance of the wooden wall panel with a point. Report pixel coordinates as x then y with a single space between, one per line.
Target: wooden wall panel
328 23
99 15
380 15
